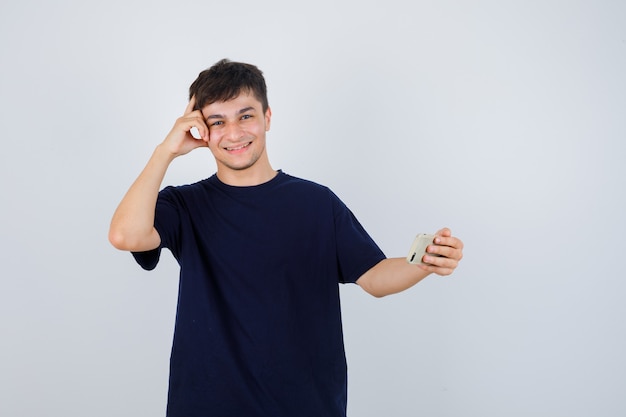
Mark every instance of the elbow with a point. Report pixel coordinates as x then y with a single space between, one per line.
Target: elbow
118 240
367 286
377 295
132 241
121 240
372 282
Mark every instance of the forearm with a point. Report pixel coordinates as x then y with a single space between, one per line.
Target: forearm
391 276
132 226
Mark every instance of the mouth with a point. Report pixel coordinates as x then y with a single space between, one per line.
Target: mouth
238 148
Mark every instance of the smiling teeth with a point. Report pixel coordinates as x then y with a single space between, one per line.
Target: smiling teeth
237 148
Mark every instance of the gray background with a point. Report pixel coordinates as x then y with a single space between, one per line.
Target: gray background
503 120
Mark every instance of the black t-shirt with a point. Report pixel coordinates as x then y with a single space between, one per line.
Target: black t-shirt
258 324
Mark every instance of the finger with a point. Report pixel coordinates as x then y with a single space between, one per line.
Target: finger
203 129
445 252
436 270
195 132
438 265
195 125
450 247
452 242
190 106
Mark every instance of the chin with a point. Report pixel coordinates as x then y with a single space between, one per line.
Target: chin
241 166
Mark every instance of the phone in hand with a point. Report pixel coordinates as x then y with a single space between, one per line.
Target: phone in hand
418 248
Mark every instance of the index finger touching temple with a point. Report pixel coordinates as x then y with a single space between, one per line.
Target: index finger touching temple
191 105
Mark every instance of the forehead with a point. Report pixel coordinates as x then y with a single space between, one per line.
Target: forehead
242 101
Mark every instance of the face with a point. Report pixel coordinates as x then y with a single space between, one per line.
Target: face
237 133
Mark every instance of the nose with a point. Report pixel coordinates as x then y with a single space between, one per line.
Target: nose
233 132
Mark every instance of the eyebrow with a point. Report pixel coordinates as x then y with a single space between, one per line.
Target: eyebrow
221 116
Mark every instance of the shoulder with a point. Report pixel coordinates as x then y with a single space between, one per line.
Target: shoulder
312 193
304 184
195 187
178 194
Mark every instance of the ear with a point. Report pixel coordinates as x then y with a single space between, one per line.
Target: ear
268 118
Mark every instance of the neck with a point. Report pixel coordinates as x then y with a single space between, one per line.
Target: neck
254 175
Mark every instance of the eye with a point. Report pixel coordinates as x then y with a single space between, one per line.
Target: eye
246 117
218 123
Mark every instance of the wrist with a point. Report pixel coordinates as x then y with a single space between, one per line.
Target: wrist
164 154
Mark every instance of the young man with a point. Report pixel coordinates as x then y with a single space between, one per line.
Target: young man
261 253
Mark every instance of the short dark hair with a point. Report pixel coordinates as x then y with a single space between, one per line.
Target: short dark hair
226 80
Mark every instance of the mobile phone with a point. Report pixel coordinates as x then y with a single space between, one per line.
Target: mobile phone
418 248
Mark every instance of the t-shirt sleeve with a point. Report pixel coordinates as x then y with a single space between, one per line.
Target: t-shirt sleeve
356 250
166 222
148 260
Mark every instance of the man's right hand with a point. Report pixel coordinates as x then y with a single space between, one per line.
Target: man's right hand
132 227
180 141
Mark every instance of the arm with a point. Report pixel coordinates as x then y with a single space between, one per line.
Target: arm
132 226
394 275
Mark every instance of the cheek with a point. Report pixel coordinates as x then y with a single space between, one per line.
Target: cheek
214 135
258 129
